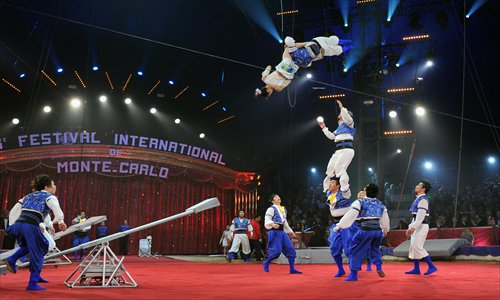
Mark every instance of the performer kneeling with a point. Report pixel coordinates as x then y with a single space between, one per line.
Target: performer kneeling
299 55
277 237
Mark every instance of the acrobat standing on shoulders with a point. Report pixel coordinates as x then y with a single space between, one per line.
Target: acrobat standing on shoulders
344 152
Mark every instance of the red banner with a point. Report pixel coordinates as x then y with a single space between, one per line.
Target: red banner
483 236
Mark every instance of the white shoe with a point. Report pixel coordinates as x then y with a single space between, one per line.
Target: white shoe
334 40
290 42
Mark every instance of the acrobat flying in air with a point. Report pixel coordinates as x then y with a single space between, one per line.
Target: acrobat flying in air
299 55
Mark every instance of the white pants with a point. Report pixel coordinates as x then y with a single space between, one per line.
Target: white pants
417 241
240 239
337 166
330 45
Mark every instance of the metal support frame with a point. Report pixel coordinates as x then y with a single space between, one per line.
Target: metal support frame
56 261
101 268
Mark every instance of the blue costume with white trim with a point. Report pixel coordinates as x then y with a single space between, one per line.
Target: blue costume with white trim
27 232
414 208
367 240
277 239
241 226
341 240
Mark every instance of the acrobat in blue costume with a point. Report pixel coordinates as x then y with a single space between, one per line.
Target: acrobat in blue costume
278 240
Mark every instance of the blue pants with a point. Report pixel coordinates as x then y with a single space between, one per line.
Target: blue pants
341 240
78 240
30 240
365 244
278 241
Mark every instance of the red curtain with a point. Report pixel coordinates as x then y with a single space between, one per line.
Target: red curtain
140 200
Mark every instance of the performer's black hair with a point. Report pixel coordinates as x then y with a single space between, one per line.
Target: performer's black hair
426 185
41 181
271 198
371 190
263 92
334 178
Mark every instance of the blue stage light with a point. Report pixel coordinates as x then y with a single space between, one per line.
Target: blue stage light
59 70
171 82
95 68
140 73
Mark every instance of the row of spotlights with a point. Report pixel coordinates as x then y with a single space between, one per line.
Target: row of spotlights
420 111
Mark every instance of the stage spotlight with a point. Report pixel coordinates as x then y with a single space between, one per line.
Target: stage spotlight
103 98
95 68
370 169
203 94
429 63
202 135
15 121
152 110
171 82
128 101
428 165
280 41
224 109
320 119
491 160
313 170
75 102
22 75
393 114
398 151
398 65
60 70
140 73
420 111
309 76
47 109
177 121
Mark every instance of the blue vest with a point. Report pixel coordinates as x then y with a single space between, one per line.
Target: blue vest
35 207
370 213
414 205
371 208
339 198
241 225
344 128
276 217
301 57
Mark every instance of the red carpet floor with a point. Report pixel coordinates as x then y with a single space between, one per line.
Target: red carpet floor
174 279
